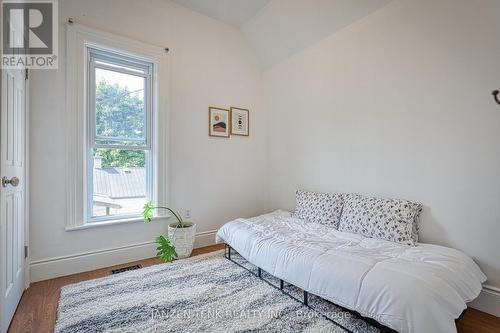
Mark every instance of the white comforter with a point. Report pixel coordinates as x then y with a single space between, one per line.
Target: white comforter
410 289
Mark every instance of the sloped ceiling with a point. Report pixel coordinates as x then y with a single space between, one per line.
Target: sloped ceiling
285 27
234 12
278 29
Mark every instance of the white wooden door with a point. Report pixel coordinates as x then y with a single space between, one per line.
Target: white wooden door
12 193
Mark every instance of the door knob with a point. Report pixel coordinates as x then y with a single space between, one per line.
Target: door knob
14 181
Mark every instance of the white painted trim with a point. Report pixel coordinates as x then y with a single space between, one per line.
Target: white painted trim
491 288
488 301
112 222
48 268
204 238
43 269
27 118
147 49
77 36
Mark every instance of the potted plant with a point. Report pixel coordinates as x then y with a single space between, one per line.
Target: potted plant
180 235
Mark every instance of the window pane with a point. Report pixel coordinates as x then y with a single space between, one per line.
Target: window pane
119 66
119 182
120 108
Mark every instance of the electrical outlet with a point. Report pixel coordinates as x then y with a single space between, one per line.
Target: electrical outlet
187 213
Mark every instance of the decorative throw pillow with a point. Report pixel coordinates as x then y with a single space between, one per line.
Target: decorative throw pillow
390 219
322 208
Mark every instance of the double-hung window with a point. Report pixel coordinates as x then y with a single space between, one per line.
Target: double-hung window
119 149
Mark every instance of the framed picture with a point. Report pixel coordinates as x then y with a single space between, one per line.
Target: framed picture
218 122
240 121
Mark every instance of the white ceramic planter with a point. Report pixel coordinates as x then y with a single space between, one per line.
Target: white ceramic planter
182 239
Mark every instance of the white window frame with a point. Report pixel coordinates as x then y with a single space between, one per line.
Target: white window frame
94 54
79 39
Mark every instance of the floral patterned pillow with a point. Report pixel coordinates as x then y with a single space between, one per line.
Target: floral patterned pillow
322 208
394 220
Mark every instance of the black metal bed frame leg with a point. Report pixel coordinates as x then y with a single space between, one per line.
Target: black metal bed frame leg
305 301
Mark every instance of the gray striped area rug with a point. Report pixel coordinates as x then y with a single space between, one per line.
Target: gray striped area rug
205 293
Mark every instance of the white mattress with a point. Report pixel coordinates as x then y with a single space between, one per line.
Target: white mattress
410 289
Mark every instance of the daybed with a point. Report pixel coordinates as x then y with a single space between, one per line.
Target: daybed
402 284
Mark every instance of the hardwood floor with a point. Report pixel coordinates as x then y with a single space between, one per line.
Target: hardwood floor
38 307
475 321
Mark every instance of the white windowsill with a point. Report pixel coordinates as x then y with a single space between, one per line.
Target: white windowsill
113 222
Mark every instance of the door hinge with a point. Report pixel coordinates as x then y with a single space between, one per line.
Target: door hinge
26 75
25 251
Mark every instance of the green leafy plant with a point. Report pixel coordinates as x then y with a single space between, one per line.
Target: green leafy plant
166 250
149 209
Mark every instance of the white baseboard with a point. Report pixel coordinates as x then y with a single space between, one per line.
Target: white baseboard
50 268
44 269
205 238
488 301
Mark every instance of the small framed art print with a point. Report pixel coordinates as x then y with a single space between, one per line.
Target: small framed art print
218 122
240 121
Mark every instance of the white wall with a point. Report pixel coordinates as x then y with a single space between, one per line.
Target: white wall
219 179
399 105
